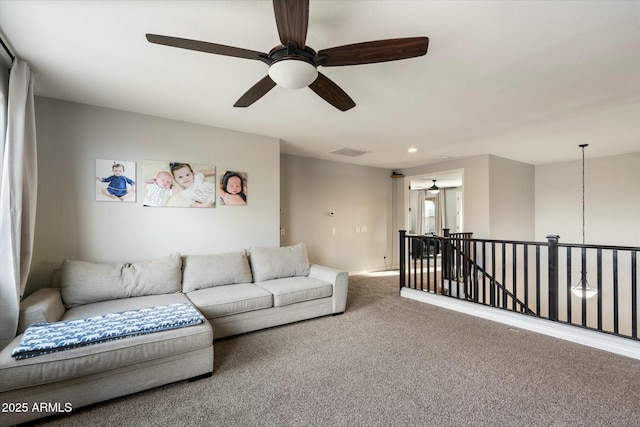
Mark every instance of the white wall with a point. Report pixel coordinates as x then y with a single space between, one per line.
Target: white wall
612 200
450 207
72 224
359 196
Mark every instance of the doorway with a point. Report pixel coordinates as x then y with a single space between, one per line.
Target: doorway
429 212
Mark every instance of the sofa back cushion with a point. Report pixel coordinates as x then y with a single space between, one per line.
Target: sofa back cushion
272 262
206 271
84 282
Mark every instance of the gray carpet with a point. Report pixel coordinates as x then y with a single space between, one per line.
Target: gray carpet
390 361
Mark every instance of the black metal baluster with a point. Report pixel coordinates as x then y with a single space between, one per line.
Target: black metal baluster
492 290
569 316
484 273
615 292
599 287
475 274
401 258
526 277
634 297
422 247
429 241
552 256
444 263
515 277
538 280
584 278
504 275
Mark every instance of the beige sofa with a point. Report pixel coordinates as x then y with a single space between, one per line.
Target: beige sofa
235 292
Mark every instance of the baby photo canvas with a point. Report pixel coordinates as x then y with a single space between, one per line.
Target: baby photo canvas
178 184
115 181
233 188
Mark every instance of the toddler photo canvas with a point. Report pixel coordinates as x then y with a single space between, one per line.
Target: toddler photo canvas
115 181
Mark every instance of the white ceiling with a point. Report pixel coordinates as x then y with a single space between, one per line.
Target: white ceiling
525 80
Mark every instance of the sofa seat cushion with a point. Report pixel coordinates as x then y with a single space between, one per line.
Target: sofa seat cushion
102 357
226 300
291 290
114 306
44 338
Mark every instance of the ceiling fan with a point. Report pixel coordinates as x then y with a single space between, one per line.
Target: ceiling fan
294 65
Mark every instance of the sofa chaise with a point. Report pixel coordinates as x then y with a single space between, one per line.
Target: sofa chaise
227 294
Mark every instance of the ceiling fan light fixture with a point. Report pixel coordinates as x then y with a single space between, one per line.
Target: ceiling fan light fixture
293 73
434 189
292 64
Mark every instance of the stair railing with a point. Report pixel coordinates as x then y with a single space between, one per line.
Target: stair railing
532 278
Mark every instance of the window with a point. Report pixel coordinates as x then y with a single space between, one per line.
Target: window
429 217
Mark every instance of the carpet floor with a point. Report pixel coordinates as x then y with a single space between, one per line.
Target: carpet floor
389 361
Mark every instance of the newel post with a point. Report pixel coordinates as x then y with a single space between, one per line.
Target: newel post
403 256
447 268
553 276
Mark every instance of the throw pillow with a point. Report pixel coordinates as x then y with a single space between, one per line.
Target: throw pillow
84 282
205 271
269 263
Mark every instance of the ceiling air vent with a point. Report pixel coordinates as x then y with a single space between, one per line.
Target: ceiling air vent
349 152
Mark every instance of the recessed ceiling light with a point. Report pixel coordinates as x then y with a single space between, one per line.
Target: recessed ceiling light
444 156
413 150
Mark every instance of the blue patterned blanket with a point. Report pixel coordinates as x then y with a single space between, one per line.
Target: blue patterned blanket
44 338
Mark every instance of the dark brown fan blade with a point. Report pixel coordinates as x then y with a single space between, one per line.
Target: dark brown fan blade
292 20
207 47
256 92
331 92
376 51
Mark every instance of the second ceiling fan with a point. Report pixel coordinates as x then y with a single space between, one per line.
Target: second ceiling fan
294 65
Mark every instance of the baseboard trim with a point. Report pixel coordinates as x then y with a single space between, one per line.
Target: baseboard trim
610 343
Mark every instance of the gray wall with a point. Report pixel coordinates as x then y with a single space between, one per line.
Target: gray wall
475 188
498 196
612 200
505 199
512 202
502 198
72 224
360 197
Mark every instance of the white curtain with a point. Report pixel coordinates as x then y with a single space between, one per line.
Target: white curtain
441 212
18 188
421 195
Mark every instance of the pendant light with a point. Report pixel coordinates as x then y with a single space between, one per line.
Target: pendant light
434 188
582 288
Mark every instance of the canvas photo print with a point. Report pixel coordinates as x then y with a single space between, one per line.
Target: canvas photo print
178 184
115 181
233 188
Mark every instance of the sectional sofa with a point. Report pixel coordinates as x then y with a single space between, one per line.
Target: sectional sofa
105 330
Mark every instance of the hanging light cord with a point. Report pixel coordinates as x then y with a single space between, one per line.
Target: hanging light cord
582 289
583 145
